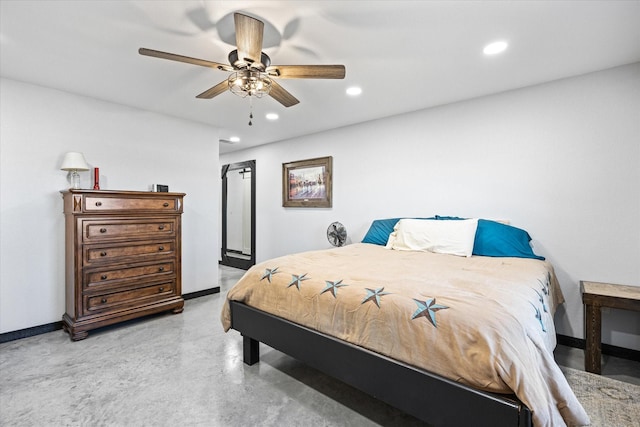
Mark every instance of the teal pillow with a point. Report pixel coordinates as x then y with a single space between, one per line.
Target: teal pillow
379 231
502 240
499 240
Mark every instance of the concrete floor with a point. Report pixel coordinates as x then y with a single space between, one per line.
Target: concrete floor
184 370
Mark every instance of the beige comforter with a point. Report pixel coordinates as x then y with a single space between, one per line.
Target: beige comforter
485 322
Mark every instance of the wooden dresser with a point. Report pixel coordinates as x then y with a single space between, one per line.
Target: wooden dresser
123 251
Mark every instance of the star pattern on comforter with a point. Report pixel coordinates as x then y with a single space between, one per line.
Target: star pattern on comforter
332 286
427 309
297 280
268 274
374 295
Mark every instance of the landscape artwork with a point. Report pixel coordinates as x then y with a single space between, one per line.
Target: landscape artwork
307 183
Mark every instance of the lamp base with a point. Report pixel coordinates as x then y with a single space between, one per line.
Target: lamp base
75 180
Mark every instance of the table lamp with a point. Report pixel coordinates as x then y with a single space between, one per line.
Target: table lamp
74 162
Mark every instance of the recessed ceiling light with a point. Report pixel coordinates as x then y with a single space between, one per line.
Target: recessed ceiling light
495 48
272 116
354 91
234 139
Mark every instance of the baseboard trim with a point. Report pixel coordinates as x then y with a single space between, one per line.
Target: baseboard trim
611 350
202 293
30 332
571 341
50 327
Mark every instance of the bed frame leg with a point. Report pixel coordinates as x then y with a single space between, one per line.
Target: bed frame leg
251 350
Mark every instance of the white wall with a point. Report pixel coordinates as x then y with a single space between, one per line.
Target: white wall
132 148
561 160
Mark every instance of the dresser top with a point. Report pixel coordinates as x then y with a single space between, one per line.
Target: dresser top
117 192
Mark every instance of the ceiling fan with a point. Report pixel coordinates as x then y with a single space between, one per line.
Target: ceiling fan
252 72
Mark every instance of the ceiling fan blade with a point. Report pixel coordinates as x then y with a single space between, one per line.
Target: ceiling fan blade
249 33
307 71
278 93
187 59
214 91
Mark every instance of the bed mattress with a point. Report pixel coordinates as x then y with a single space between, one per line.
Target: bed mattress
486 322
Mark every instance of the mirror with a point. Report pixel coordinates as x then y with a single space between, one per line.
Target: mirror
238 214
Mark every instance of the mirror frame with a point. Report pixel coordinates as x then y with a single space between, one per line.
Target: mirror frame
231 261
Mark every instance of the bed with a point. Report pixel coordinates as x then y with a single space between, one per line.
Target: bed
421 318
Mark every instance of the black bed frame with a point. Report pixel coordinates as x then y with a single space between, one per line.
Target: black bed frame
428 397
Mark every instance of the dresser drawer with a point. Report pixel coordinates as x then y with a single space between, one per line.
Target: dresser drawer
130 252
118 277
143 228
129 298
106 203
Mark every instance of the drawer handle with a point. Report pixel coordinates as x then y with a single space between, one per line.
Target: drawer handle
161 289
98 203
165 204
161 248
103 230
103 277
161 269
103 254
103 300
161 227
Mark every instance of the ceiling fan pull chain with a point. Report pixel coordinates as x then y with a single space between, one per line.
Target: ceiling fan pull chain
250 110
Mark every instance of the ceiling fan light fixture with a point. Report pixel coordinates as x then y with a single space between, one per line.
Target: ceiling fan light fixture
249 83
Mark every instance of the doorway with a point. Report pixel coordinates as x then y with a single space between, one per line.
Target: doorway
239 214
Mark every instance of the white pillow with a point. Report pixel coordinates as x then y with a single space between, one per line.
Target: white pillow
455 237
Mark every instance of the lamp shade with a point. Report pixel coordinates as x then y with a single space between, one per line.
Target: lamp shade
74 162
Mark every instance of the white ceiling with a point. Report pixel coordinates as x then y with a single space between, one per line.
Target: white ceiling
406 55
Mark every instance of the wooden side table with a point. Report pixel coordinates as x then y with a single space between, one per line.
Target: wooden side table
596 295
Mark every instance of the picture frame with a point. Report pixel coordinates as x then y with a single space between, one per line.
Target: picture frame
307 183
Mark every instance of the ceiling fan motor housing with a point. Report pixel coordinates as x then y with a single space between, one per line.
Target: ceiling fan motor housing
242 63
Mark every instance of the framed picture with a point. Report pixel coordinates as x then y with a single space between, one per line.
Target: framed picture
307 183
